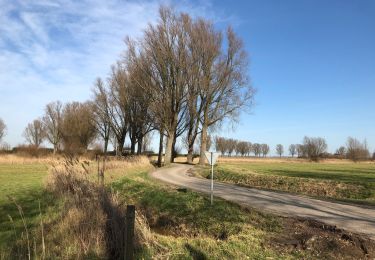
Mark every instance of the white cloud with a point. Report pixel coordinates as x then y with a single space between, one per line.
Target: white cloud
55 49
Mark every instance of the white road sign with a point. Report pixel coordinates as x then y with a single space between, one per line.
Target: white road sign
211 157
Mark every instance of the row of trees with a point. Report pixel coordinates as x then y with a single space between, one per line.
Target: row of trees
229 146
70 126
182 78
3 129
313 148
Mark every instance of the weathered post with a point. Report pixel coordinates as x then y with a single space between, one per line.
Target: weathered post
129 232
102 171
212 179
98 160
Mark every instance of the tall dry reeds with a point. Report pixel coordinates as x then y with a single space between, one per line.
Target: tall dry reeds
94 217
91 220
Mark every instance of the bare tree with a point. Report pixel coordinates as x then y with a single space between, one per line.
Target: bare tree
249 148
257 149
314 147
3 128
292 149
242 148
279 149
101 112
140 121
224 84
356 150
341 151
52 124
265 149
164 54
77 128
301 151
119 104
220 145
34 133
231 145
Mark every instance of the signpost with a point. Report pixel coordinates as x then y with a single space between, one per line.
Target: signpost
212 158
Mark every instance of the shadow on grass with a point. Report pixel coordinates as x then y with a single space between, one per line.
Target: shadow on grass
11 226
196 254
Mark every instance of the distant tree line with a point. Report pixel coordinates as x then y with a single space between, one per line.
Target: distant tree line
229 147
313 148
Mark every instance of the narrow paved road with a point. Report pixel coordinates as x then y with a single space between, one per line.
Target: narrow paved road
349 217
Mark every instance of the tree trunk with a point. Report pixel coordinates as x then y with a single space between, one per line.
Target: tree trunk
139 148
203 147
191 136
55 149
190 155
120 145
174 153
133 142
168 148
106 145
160 155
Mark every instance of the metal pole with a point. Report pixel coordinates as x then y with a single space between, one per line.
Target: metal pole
212 180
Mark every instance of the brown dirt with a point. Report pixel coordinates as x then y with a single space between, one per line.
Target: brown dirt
321 241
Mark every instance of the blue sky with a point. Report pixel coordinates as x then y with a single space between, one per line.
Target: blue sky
313 62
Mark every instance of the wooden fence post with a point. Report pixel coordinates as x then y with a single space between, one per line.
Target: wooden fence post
129 232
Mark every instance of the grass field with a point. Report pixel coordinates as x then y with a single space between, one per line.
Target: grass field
180 224
331 179
23 183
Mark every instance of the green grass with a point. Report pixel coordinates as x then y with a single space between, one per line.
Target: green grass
23 183
187 226
347 181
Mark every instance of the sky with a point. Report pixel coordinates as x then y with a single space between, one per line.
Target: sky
311 61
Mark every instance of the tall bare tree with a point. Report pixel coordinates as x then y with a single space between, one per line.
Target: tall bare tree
314 147
220 145
357 150
118 97
231 145
164 50
34 133
265 149
241 148
3 128
224 83
101 112
77 127
52 123
341 151
279 149
292 149
257 149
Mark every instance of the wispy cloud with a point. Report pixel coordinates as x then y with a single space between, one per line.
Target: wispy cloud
54 49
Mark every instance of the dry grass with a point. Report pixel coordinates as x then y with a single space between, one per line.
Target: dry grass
96 217
91 220
19 159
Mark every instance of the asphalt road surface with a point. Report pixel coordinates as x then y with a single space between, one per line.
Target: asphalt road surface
352 218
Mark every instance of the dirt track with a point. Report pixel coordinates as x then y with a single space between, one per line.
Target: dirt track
352 218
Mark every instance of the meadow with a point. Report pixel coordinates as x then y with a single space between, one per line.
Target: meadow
171 223
330 179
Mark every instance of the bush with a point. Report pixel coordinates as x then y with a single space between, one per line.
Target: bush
32 151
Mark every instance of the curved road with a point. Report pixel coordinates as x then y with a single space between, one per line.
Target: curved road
349 217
